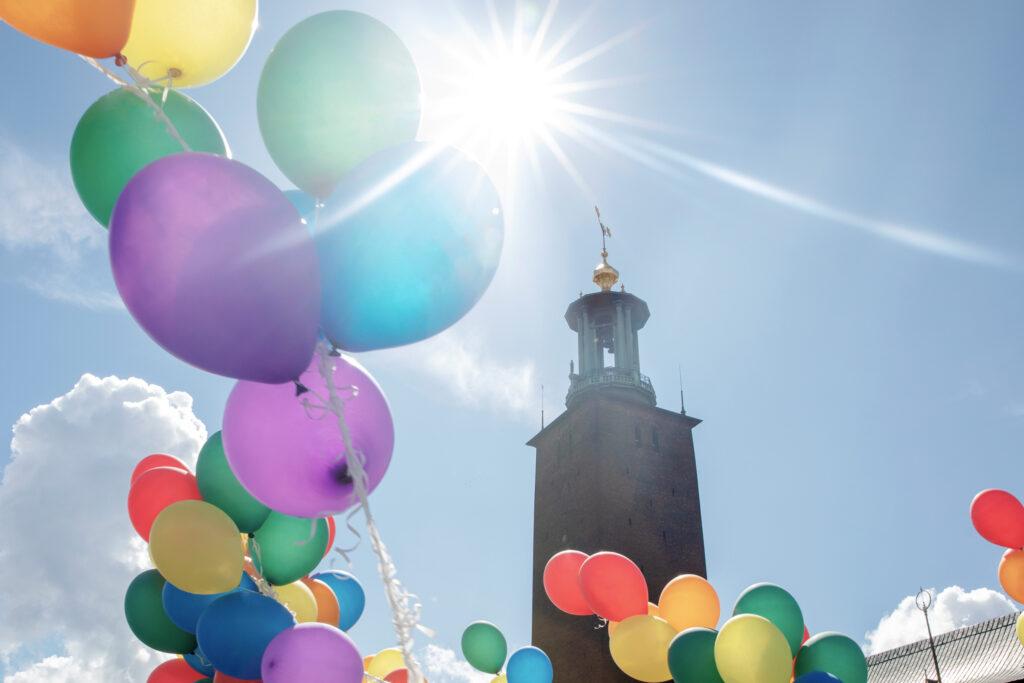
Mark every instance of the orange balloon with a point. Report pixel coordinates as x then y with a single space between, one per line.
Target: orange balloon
332 529
689 600
652 611
1011 574
327 609
366 661
96 28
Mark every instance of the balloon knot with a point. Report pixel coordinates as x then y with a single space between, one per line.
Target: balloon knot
300 388
120 59
174 72
335 351
342 475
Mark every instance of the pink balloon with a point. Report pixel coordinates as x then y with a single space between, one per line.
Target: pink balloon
312 653
287 450
999 518
613 586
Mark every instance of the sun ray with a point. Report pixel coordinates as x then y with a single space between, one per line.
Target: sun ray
579 60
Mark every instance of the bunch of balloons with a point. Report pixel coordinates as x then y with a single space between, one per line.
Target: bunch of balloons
233 577
485 648
765 641
999 518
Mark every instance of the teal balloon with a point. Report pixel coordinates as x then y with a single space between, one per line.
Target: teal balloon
338 87
219 486
835 654
303 203
776 605
691 657
144 611
287 548
407 245
119 134
484 647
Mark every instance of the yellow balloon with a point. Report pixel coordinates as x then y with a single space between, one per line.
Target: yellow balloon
751 649
195 546
1020 628
500 678
689 600
652 611
640 647
193 41
299 599
386 661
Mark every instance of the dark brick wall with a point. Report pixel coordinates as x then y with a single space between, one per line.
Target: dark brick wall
600 487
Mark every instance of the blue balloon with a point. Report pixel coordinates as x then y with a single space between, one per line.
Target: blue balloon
235 630
408 243
529 665
184 609
351 598
198 661
818 677
303 203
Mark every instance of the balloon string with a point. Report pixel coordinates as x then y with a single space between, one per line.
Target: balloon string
262 585
140 87
405 611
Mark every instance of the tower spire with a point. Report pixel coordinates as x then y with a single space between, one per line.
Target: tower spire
605 276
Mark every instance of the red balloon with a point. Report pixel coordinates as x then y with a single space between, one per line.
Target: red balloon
807 634
332 529
156 460
613 586
398 676
999 517
155 490
562 582
224 678
174 671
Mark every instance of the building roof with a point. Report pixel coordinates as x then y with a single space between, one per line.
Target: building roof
988 652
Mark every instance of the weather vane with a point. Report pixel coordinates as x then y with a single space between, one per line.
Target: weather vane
605 232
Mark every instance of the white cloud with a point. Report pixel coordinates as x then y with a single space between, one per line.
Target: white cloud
68 549
442 665
953 608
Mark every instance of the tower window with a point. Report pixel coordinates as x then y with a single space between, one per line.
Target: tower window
655 441
636 435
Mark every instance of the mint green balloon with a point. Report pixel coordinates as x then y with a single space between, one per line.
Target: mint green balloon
484 647
287 548
336 88
833 653
219 486
119 134
776 605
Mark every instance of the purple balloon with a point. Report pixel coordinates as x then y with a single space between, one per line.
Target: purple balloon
214 263
287 450
312 653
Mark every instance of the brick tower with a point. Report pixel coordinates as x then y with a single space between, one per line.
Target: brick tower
614 472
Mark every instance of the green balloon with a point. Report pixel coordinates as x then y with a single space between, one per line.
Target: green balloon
484 647
119 134
691 657
338 87
287 548
777 606
144 611
219 486
833 653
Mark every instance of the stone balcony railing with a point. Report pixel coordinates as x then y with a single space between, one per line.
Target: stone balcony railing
611 377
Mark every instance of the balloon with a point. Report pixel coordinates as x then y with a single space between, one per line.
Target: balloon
292 459
338 87
777 606
484 647
398 676
193 41
807 635
195 547
235 630
155 490
691 656
312 653
652 611
1011 574
689 600
833 653
332 530
639 646
386 661
157 460
174 671
402 262
146 618
303 203
818 677
561 582
221 677
529 665
1020 628
118 135
613 586
287 548
100 30
351 598
214 263
220 487
751 649
500 678
198 661
999 517
184 608
327 610
298 598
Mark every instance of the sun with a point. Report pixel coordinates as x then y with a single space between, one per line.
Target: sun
512 97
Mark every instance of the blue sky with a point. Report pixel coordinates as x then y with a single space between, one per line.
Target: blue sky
826 226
